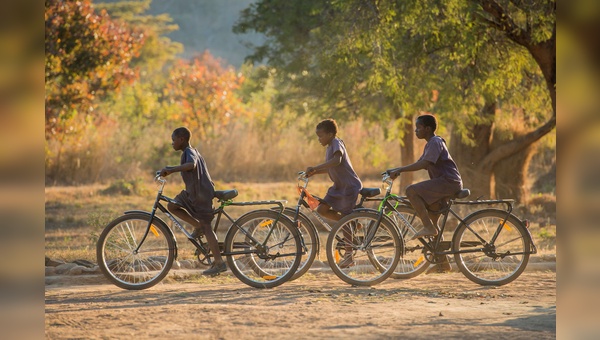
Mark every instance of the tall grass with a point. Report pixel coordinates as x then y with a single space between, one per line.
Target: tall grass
242 152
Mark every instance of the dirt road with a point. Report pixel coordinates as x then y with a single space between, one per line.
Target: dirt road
317 305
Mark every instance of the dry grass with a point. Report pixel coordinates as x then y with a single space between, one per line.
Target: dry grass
75 216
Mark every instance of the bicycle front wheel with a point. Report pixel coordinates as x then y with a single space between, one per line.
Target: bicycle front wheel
357 261
486 261
310 241
130 263
413 263
263 249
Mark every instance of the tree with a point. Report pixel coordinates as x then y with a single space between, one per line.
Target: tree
204 93
383 60
157 50
87 56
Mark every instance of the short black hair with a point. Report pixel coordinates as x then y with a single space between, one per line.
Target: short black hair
328 125
428 120
183 132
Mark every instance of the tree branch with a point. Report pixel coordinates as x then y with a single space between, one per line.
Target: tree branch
504 22
514 146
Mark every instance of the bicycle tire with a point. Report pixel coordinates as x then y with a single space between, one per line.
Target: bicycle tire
310 238
386 246
118 261
497 267
271 268
413 262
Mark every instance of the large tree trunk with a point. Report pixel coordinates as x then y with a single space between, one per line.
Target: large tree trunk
468 157
511 174
480 166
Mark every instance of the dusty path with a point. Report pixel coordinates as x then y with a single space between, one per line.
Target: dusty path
315 306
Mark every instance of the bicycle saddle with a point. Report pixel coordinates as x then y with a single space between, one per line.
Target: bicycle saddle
226 194
370 192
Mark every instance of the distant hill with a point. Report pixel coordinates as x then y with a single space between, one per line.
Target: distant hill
206 25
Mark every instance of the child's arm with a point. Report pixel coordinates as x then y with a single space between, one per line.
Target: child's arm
322 168
418 165
171 169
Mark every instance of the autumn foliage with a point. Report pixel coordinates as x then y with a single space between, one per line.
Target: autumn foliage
205 93
87 56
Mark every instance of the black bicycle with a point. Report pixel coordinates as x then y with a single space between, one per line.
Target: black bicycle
262 247
309 233
490 246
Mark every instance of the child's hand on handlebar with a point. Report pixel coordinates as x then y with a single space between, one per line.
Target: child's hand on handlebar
310 171
164 172
393 173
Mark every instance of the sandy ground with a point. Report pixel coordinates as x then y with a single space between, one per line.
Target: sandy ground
318 305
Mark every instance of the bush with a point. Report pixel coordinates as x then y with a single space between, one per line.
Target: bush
124 187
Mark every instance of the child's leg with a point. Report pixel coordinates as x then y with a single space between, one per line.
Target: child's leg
180 212
421 208
213 242
211 237
325 210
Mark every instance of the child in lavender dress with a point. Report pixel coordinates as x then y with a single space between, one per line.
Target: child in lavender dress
341 197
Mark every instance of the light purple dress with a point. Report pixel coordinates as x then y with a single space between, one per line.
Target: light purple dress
346 184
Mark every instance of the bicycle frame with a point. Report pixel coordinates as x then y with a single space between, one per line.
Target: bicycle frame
219 211
302 202
434 246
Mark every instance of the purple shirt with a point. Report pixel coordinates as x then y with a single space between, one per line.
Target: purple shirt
441 163
346 184
198 183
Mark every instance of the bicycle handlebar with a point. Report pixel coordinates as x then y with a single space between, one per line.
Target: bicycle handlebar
159 179
302 177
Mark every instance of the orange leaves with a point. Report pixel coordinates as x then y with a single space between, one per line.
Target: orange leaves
87 55
205 92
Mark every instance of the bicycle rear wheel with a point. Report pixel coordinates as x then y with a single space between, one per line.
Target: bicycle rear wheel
413 263
263 253
122 264
486 262
356 262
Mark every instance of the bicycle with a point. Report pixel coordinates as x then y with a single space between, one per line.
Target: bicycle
490 246
309 233
136 250
372 240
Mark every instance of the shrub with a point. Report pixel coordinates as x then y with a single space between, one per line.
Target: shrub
124 187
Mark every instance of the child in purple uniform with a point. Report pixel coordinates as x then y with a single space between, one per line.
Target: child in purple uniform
341 197
444 181
195 202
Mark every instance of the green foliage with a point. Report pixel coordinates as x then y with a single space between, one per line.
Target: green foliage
157 49
388 60
125 187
